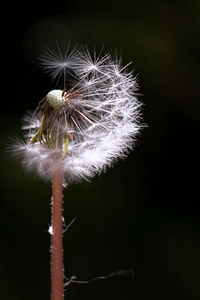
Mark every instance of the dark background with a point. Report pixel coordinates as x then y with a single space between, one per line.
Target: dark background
144 213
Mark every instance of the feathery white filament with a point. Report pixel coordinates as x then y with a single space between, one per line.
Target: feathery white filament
92 124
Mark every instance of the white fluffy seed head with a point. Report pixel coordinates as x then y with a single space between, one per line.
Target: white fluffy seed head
88 126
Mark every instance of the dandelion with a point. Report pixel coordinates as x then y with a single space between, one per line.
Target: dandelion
86 126
78 131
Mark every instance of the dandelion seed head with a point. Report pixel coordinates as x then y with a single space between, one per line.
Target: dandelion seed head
87 126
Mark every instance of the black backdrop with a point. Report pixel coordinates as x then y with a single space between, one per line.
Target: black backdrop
143 214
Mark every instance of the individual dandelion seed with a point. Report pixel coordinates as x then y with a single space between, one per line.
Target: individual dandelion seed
79 130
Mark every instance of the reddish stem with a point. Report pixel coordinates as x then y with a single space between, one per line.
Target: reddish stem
57 272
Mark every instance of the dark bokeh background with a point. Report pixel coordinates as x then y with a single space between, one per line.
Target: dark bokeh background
142 214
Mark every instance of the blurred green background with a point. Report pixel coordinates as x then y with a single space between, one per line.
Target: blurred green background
142 214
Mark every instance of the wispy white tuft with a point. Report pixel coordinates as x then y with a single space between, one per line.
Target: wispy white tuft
50 230
56 62
87 127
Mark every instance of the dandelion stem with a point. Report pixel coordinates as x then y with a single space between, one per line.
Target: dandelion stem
57 271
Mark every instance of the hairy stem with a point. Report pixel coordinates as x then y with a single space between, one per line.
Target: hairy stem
57 271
